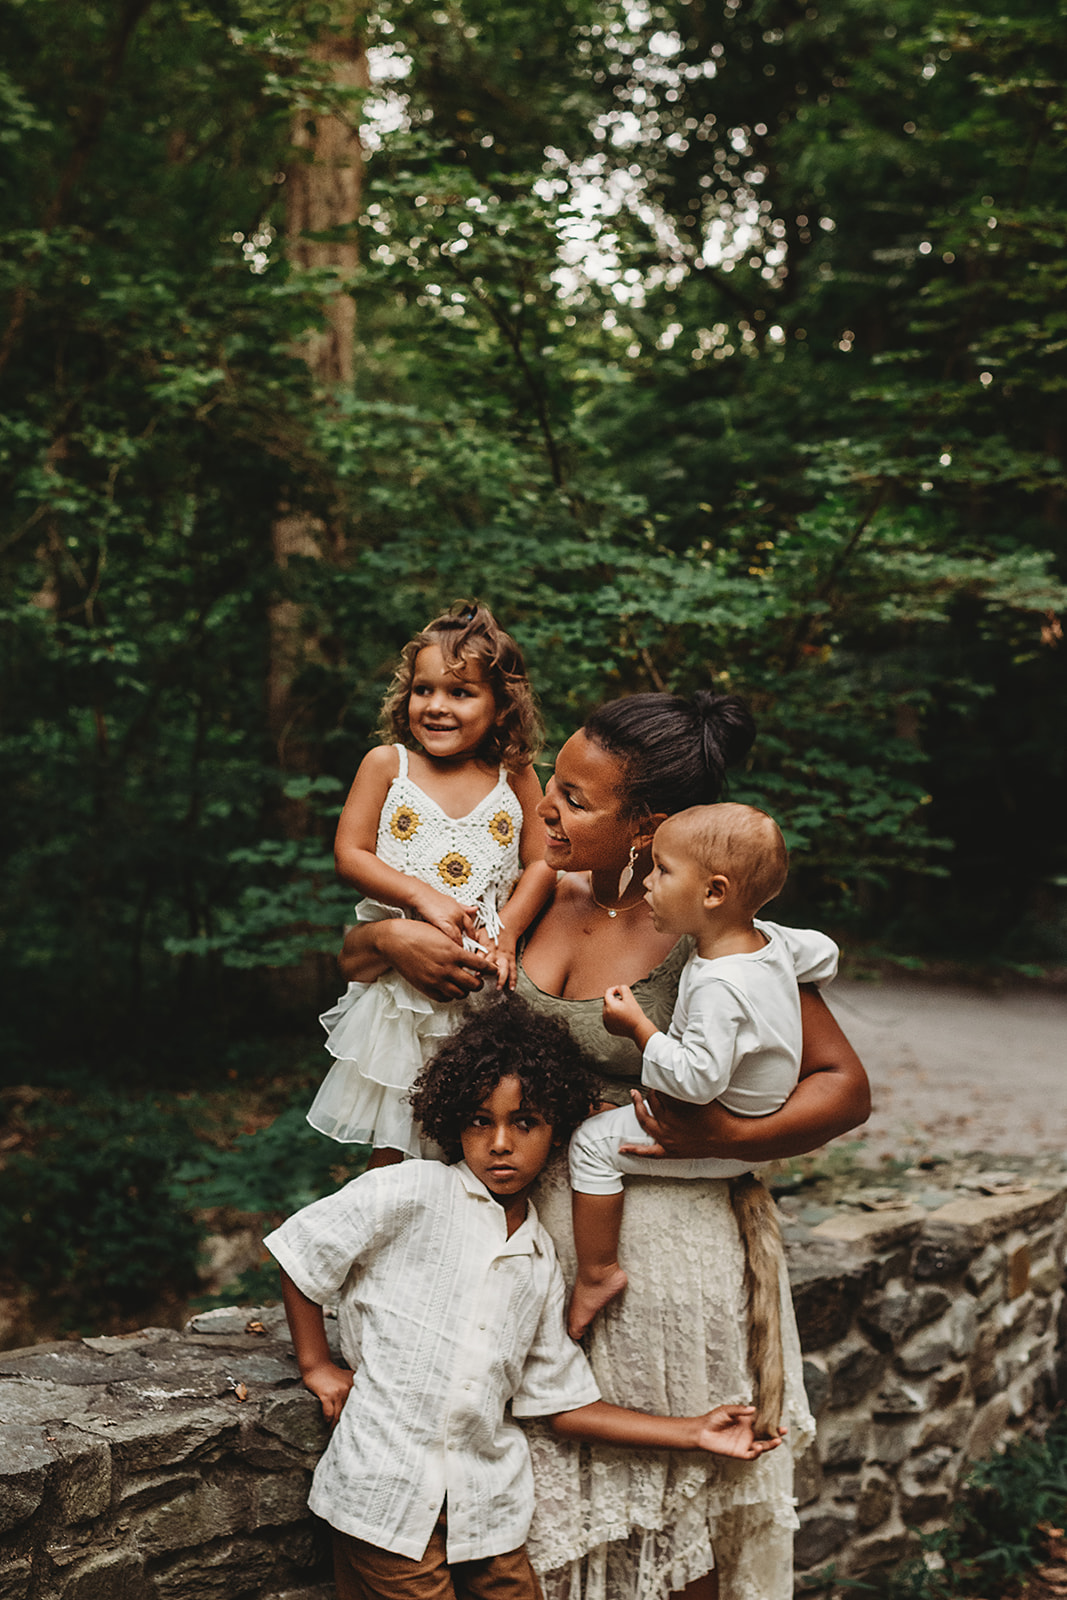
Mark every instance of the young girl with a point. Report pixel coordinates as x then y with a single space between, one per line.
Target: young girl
439 824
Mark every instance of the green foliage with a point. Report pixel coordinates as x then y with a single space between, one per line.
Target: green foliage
274 1169
707 344
103 1207
88 1217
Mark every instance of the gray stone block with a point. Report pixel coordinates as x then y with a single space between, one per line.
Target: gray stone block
928 1349
944 1257
26 1463
821 1536
807 1478
900 1399
876 1500
83 1477
15 1579
843 1441
210 1510
297 1419
900 1313
950 1427
892 1442
231 1569
855 1369
987 1428
165 1437
107 1575
816 1385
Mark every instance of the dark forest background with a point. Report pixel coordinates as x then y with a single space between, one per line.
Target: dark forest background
708 343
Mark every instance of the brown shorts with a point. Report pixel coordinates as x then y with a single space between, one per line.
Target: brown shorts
363 1572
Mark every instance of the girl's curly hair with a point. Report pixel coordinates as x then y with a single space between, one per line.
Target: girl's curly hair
504 1038
469 632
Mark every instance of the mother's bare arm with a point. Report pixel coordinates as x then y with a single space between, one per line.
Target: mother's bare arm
833 1095
422 954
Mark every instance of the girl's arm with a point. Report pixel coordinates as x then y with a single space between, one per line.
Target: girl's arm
320 1372
356 862
833 1095
535 886
433 963
725 1431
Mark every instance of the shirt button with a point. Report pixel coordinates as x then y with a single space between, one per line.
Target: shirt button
481 1325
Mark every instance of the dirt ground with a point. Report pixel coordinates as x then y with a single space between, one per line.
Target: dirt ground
958 1069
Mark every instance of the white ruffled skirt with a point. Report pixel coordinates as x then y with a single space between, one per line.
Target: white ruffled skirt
381 1035
615 1524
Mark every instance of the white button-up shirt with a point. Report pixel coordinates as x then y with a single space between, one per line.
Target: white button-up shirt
444 1320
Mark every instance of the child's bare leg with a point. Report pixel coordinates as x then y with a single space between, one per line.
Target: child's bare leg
705 1588
597 1220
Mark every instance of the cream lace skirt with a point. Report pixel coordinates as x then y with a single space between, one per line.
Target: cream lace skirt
613 1524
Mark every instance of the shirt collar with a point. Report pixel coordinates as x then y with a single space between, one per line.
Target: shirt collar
525 1240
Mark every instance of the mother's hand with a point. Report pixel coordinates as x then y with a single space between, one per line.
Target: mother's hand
833 1095
429 960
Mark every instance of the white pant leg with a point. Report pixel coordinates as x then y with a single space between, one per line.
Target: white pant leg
597 1166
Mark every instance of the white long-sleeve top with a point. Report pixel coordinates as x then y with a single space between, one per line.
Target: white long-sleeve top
735 1034
444 1320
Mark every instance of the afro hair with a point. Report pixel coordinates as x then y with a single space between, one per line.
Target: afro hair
504 1037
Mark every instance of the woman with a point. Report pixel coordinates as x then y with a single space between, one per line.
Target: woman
607 1527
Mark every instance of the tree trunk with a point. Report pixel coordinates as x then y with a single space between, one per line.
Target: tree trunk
324 185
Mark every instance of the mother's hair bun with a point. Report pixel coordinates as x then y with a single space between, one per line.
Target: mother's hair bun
674 750
727 728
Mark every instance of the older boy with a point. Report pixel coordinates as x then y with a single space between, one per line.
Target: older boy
450 1307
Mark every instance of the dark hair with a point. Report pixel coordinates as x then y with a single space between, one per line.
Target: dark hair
674 751
468 632
504 1037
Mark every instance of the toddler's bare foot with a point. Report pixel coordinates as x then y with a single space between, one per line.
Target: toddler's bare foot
590 1297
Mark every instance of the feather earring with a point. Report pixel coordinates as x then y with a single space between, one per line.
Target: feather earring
627 873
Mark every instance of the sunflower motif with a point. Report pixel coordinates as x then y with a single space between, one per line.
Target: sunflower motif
454 869
502 828
403 824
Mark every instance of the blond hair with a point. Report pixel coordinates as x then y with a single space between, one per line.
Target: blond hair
742 843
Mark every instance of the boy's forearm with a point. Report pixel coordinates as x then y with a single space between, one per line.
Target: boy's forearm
307 1325
602 1423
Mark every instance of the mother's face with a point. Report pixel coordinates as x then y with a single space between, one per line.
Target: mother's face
581 810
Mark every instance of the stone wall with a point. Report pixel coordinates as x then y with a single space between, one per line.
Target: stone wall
177 1465
933 1326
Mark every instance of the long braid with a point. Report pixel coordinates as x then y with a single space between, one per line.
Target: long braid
761 1238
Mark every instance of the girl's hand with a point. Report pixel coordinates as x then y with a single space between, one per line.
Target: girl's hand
431 962
624 1017
502 955
442 912
331 1384
727 1431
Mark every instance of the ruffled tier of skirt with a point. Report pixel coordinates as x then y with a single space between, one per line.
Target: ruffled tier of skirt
381 1035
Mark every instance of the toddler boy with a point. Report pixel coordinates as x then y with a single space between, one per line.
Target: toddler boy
735 1034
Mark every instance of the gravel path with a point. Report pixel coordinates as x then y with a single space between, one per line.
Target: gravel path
958 1069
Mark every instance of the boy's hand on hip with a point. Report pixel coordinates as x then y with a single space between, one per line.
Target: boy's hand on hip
331 1385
